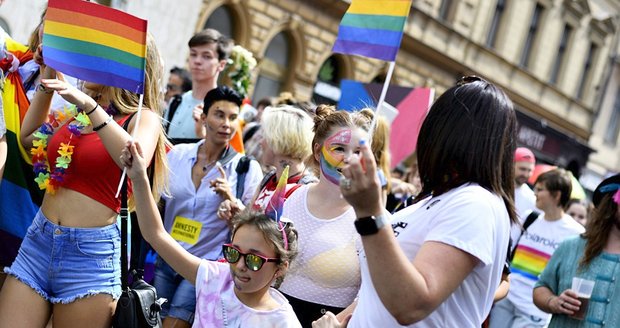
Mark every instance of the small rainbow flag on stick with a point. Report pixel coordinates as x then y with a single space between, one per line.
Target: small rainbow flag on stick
95 43
373 28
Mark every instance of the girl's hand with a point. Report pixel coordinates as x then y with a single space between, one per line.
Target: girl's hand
70 93
329 321
132 158
360 185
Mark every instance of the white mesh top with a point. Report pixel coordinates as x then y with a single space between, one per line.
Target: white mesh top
327 270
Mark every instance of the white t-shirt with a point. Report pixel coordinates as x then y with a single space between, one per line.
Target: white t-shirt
469 218
218 306
531 256
525 203
182 124
326 270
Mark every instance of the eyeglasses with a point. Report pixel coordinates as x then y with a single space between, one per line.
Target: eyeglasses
254 262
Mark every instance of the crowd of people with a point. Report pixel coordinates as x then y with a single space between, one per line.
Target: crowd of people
308 227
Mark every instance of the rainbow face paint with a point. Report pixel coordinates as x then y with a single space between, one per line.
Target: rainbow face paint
333 153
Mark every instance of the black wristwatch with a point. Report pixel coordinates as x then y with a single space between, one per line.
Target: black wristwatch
370 225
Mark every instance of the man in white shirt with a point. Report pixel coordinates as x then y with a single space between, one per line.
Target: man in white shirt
208 54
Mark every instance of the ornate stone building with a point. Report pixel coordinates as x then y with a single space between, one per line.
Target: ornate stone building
555 58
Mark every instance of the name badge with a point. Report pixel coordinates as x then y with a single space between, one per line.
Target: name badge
186 230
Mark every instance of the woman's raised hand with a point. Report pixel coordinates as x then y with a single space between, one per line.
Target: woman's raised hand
360 185
70 93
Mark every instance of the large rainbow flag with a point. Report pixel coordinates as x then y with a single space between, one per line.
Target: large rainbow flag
95 43
19 196
373 28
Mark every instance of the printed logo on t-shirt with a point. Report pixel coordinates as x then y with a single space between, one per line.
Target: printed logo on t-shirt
186 230
398 227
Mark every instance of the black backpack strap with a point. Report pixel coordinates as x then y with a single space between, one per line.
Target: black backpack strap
528 222
242 170
172 109
124 214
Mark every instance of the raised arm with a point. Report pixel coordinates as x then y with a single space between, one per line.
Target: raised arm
113 136
149 218
410 290
38 111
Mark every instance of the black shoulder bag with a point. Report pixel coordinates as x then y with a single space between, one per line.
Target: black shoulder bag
138 306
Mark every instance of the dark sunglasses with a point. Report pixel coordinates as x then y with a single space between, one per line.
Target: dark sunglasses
173 87
254 262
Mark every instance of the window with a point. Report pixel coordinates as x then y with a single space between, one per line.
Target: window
446 11
531 34
222 20
559 60
611 134
587 68
327 87
499 11
274 68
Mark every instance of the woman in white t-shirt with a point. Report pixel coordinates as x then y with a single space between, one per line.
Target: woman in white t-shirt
326 275
440 260
233 294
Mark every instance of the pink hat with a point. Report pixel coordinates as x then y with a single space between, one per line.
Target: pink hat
523 154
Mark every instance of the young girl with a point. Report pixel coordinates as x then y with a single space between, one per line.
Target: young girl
68 262
327 275
260 252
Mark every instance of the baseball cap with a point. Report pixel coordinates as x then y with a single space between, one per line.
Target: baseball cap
610 185
523 154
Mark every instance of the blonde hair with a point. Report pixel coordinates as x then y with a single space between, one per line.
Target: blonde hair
381 146
127 102
288 131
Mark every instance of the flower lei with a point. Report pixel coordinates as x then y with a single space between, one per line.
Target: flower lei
51 180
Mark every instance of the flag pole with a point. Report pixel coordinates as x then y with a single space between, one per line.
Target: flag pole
133 137
386 85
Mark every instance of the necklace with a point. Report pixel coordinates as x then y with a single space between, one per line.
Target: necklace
49 178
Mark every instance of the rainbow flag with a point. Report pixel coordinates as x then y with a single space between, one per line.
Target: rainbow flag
373 28
19 195
95 43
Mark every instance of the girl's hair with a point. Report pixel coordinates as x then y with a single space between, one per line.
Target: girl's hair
557 181
327 118
273 235
469 136
380 146
603 219
288 131
127 102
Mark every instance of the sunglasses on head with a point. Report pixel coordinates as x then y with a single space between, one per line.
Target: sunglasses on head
469 79
254 262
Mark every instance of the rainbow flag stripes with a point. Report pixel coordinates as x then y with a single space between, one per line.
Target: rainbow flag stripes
373 28
529 262
95 43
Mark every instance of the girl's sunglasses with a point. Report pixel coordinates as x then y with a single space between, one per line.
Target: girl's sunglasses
253 261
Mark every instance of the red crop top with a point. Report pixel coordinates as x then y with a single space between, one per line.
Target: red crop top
92 171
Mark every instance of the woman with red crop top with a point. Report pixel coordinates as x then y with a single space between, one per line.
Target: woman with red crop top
69 261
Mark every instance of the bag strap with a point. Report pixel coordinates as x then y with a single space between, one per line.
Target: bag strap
124 213
528 222
242 170
172 109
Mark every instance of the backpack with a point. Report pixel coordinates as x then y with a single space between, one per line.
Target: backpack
528 222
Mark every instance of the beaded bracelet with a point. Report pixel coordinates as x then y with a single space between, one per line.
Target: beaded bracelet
45 90
92 110
102 125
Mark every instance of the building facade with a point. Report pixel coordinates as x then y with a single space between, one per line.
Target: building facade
555 59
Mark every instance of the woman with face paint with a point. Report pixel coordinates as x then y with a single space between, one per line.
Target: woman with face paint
326 276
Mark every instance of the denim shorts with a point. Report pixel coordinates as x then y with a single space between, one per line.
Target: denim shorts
63 264
180 293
